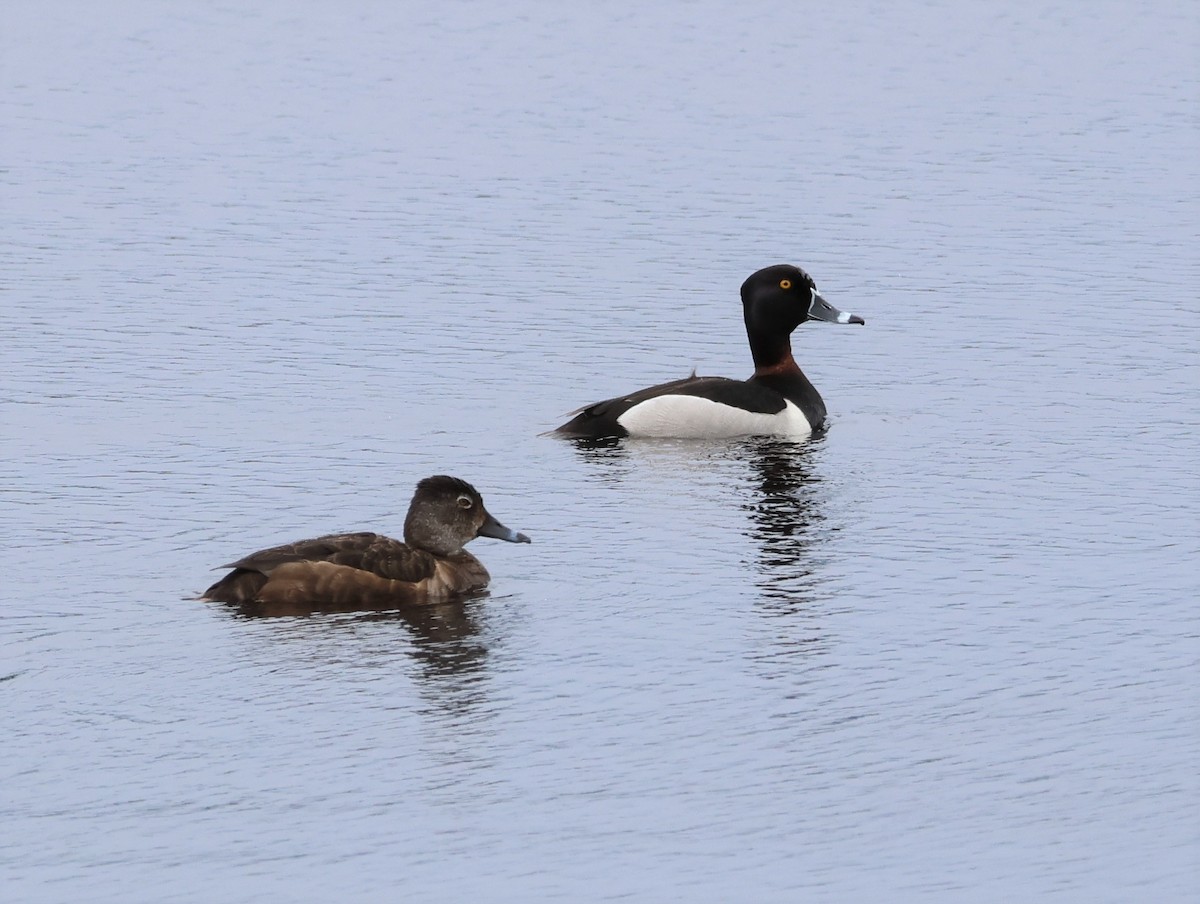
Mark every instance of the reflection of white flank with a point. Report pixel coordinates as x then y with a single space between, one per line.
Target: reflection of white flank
691 417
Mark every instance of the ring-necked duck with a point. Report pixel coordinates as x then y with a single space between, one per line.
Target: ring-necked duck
777 400
371 571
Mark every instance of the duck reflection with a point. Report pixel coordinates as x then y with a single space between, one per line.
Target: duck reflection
785 516
783 507
607 454
445 641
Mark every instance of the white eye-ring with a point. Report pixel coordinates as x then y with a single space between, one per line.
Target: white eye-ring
465 501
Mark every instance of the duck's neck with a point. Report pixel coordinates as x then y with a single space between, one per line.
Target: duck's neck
778 370
785 377
772 354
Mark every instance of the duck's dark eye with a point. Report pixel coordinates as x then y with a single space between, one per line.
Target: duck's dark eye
465 502
785 283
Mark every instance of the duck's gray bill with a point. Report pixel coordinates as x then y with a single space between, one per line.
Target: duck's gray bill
493 528
820 309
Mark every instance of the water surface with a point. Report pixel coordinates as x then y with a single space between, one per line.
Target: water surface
263 270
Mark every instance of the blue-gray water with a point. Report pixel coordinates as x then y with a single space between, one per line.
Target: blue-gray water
264 268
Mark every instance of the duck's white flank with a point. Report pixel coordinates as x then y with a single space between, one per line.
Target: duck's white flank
691 417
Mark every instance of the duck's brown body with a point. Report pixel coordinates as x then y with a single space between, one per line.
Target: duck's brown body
347 570
370 571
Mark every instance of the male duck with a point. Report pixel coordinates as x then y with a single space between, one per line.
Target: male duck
777 400
366 570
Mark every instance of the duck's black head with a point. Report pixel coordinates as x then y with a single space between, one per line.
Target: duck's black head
778 299
775 301
446 513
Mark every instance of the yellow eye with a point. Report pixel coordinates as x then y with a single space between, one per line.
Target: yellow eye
785 283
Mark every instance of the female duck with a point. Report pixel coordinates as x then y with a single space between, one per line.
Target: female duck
777 400
365 570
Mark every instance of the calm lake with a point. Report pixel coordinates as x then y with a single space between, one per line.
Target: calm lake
264 268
